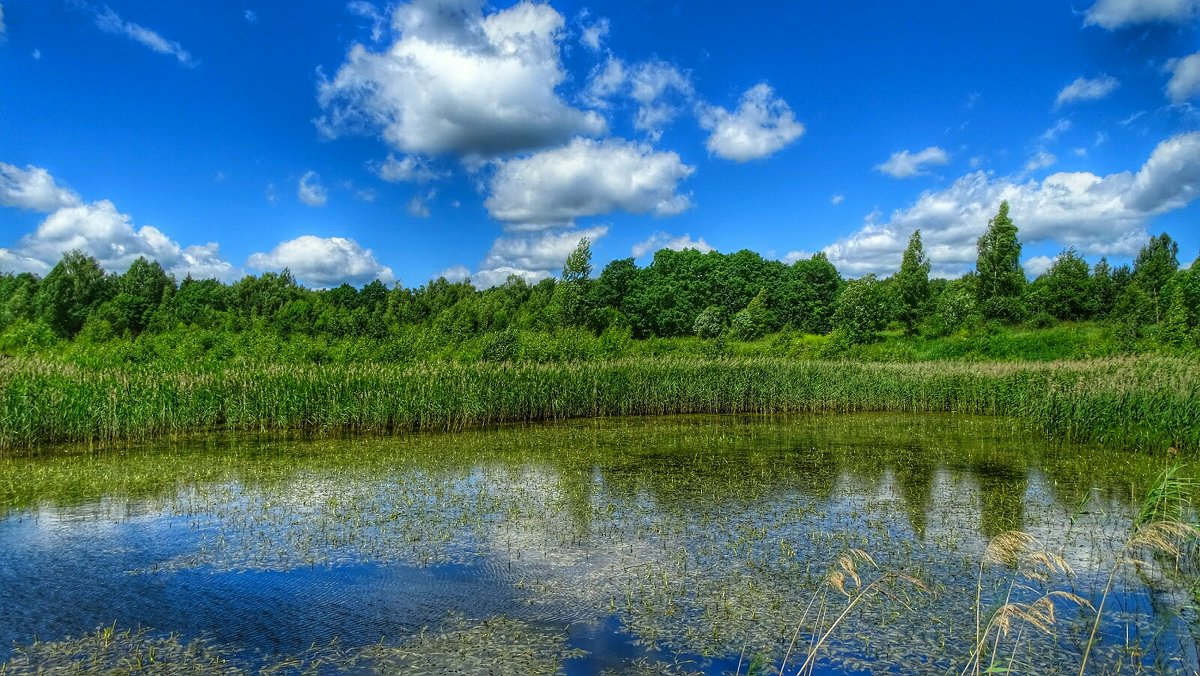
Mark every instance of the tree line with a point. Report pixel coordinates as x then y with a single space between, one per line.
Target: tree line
737 296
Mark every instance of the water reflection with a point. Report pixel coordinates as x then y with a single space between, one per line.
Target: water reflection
702 539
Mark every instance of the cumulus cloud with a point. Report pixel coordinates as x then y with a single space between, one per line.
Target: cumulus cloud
1038 265
458 81
100 230
456 273
592 35
532 256
1040 160
310 191
110 22
905 164
586 178
1087 89
1185 78
837 199
662 240
250 16
762 125
660 89
368 11
1114 14
1095 214
407 168
323 262
418 206
33 189
605 81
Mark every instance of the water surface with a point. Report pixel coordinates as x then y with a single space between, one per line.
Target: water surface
676 545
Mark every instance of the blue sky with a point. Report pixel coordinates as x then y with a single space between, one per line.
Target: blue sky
355 140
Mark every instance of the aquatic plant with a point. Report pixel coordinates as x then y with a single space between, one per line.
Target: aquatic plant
1145 403
1159 531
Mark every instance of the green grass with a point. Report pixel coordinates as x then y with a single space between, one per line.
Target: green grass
1147 402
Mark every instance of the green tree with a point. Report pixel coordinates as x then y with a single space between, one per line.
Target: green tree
751 322
571 296
139 293
863 310
912 283
1175 330
73 289
711 322
1153 267
1104 289
955 307
1068 287
811 293
1001 280
578 266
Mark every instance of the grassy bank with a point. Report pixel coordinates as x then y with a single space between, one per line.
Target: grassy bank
1148 402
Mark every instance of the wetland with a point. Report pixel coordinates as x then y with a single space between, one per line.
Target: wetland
927 543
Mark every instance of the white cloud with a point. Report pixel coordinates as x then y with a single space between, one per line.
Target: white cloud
904 164
409 168
1080 152
605 81
33 189
457 81
110 22
1040 160
793 256
837 199
3 28
100 230
592 35
365 195
1185 78
762 125
323 262
418 207
659 89
310 191
250 16
1055 131
662 240
457 273
1038 265
587 178
1087 89
532 256
368 11
1095 214
36 54
1114 14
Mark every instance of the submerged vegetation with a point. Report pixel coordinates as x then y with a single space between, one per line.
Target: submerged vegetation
802 544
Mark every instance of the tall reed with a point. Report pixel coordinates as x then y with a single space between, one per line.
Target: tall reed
1138 402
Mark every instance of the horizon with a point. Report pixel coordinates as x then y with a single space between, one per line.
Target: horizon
356 141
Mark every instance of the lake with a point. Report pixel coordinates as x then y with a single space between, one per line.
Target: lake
670 545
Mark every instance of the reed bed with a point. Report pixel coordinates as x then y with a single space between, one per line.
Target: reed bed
1146 403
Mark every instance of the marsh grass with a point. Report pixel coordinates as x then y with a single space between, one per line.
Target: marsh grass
1147 403
1164 529
108 651
1030 564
